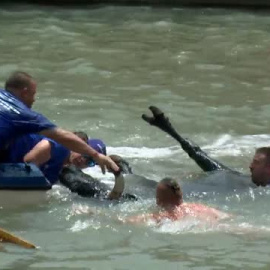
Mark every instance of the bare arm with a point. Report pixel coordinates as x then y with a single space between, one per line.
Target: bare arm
70 141
74 143
40 154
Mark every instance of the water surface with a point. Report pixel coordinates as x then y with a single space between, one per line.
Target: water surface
98 69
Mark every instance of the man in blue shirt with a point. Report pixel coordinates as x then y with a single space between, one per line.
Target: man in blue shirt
17 119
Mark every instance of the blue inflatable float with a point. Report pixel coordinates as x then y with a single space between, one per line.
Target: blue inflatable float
22 176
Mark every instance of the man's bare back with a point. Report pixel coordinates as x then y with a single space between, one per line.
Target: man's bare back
169 198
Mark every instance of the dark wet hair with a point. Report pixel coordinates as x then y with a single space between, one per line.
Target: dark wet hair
265 151
81 135
173 185
18 80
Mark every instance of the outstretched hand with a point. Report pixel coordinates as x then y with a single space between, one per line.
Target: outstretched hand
159 119
105 162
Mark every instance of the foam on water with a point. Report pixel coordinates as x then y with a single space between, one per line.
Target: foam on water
82 225
96 172
143 152
224 145
190 224
236 145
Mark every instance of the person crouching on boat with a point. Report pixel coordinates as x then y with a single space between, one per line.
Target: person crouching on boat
18 119
58 163
49 155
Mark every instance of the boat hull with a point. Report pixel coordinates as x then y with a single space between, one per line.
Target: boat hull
22 185
22 176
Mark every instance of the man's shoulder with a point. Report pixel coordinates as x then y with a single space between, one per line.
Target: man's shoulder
202 209
195 205
7 96
11 104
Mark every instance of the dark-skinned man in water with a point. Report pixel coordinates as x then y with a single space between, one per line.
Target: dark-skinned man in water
17 119
259 167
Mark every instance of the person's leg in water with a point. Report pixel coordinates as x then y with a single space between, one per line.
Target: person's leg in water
205 162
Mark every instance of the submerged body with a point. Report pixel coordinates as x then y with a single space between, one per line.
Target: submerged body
169 198
259 167
185 210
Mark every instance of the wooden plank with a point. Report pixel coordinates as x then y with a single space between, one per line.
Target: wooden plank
6 236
